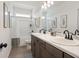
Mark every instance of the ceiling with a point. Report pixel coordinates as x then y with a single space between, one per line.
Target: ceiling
31 4
26 4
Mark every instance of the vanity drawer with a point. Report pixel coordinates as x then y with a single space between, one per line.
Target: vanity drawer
54 51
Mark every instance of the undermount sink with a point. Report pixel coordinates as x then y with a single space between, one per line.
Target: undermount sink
64 41
60 40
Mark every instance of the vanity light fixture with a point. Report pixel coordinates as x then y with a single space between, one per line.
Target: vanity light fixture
23 15
6 13
47 4
42 17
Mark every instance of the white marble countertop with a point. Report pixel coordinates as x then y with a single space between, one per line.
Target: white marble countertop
71 50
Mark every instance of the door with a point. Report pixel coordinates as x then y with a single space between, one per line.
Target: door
24 30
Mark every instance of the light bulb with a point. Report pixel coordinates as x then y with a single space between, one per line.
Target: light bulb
45 7
42 6
48 5
43 17
52 3
48 2
44 3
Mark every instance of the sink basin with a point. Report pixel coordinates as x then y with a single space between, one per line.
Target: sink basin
60 40
64 41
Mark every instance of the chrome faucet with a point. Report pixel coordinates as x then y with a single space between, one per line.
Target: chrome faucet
66 35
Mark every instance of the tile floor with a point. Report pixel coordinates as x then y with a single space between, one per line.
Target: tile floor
21 52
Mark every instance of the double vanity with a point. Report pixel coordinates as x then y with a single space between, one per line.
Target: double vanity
47 46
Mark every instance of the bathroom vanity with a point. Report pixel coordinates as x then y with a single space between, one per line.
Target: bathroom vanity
43 47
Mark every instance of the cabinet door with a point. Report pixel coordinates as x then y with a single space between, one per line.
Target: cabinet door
36 48
56 53
33 46
44 53
67 56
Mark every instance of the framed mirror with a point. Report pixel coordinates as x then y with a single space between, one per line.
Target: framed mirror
37 22
6 16
54 22
63 21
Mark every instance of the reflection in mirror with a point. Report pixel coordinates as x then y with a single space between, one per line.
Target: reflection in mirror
44 20
78 19
54 22
63 21
37 22
6 16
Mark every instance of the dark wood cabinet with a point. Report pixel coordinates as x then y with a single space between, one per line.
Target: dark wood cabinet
34 46
41 49
36 49
56 53
67 55
44 53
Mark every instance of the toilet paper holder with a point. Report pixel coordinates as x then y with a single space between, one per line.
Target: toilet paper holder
3 45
